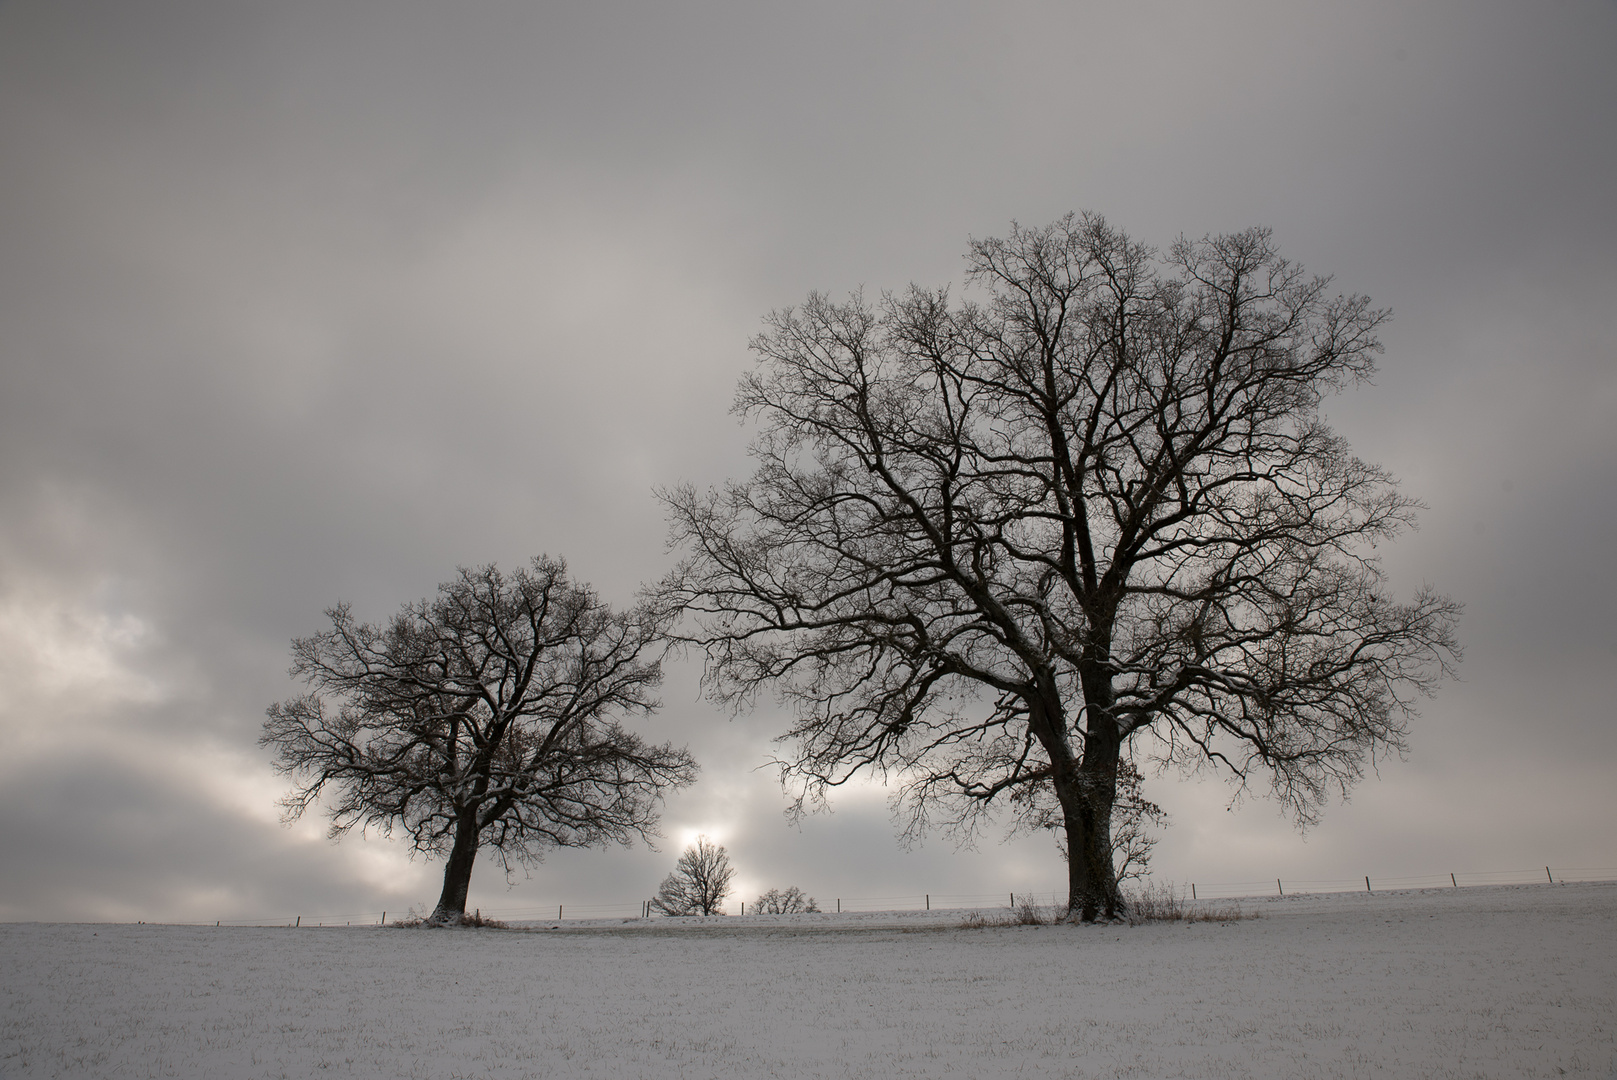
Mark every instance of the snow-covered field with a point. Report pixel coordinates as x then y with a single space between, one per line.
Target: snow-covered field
1482 982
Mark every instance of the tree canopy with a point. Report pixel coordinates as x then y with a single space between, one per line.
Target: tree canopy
487 717
996 548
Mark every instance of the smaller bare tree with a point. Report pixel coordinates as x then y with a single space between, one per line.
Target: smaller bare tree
699 883
484 719
790 902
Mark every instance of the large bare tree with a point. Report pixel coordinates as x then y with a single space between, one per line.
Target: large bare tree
996 549
482 718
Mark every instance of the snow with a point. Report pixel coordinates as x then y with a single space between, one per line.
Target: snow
1474 982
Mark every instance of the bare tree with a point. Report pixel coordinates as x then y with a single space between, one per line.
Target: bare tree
699 883
483 718
790 902
1008 543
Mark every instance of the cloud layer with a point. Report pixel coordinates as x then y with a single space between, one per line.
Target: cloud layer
300 305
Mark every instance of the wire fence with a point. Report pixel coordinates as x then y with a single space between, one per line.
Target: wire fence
1281 886
1199 890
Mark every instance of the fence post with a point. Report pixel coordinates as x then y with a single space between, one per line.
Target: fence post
1281 887
558 913
1549 875
1193 890
1367 883
1456 884
839 905
298 923
929 901
1013 901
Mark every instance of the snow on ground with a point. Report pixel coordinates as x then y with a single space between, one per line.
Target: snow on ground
1481 982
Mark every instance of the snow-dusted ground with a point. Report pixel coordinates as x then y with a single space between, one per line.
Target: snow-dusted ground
1482 982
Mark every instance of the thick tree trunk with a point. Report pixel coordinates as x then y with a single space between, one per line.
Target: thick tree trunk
1086 803
457 874
1086 789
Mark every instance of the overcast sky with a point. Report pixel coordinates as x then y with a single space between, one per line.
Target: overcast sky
304 302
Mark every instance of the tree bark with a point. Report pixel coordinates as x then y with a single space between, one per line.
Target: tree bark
1086 805
1086 789
457 874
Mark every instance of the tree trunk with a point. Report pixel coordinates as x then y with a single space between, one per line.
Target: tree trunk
457 874
1086 791
1086 805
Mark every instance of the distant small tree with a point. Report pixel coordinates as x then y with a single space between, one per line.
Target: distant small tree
483 719
790 902
699 883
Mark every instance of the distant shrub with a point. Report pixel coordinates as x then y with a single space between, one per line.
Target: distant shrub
790 902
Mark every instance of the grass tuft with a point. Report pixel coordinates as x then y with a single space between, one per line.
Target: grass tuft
415 921
1026 913
1163 903
1029 914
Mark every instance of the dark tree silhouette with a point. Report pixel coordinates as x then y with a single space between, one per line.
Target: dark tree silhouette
699 883
1011 543
483 718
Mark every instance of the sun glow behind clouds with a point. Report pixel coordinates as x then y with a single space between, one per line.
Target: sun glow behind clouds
688 835
71 671
58 651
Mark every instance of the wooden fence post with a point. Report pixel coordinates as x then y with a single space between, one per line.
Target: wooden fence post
1367 883
1281 887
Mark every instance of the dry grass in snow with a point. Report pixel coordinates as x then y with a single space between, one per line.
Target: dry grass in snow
1485 982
